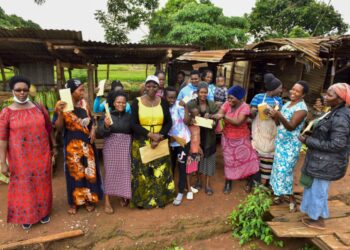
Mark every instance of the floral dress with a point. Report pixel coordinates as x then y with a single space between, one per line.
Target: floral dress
286 152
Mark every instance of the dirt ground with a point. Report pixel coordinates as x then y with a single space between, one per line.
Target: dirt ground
197 224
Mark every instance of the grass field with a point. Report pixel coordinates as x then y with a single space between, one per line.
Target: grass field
130 75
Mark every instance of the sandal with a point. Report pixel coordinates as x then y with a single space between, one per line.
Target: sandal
277 200
209 191
90 208
26 226
108 210
72 210
293 207
312 224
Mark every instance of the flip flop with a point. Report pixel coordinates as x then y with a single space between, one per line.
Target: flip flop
109 210
308 222
89 208
72 210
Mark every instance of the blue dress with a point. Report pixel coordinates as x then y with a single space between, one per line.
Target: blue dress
286 152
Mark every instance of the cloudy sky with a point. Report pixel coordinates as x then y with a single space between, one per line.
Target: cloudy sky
79 14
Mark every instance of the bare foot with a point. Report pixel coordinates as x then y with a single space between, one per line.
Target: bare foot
109 209
72 210
317 224
90 208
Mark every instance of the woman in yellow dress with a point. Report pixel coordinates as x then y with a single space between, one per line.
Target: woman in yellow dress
152 184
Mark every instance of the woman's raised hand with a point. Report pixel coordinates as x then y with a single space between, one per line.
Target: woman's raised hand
107 122
59 107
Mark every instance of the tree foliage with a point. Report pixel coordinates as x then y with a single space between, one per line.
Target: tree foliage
284 18
123 16
198 23
13 21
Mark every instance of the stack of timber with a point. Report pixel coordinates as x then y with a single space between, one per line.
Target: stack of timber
335 236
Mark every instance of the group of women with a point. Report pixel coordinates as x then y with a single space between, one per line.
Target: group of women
27 144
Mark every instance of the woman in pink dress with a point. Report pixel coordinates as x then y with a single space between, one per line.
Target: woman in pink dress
241 160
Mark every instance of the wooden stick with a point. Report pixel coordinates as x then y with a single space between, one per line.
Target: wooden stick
43 239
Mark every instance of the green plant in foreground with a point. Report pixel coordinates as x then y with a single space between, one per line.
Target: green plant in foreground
247 220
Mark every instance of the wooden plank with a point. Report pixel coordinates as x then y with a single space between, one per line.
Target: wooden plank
42 239
344 238
331 241
299 230
281 213
320 244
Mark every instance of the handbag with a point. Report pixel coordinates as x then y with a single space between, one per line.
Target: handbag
306 180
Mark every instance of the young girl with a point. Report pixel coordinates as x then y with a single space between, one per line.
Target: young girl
194 154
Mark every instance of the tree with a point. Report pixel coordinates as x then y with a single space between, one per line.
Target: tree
278 18
13 21
123 16
198 23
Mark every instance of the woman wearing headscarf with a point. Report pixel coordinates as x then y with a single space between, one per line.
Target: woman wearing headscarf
152 183
116 150
264 128
241 160
80 162
25 129
327 157
207 109
291 120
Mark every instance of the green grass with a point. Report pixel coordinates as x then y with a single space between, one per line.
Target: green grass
130 75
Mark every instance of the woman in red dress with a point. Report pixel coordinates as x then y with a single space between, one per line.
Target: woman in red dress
24 141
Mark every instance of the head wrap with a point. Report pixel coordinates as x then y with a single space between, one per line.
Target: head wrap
73 84
343 91
17 79
268 77
202 85
237 91
272 84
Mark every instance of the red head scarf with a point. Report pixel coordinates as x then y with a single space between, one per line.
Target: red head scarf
343 91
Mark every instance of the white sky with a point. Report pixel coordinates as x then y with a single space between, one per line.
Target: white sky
79 14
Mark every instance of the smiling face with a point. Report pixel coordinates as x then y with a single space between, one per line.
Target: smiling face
233 101
120 103
21 91
278 91
151 89
331 98
220 81
202 94
296 93
79 93
208 77
171 97
195 79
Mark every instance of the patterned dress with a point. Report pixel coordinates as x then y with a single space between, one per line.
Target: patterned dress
287 152
240 159
80 164
29 197
152 183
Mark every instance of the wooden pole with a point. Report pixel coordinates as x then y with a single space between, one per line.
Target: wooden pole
146 70
70 73
91 86
96 76
3 75
334 67
232 73
107 72
42 239
59 74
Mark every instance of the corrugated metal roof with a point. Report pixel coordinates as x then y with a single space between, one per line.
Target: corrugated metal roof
214 56
46 34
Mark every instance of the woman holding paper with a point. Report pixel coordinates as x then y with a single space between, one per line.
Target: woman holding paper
81 166
291 120
241 160
207 110
327 157
264 128
115 128
152 183
25 128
